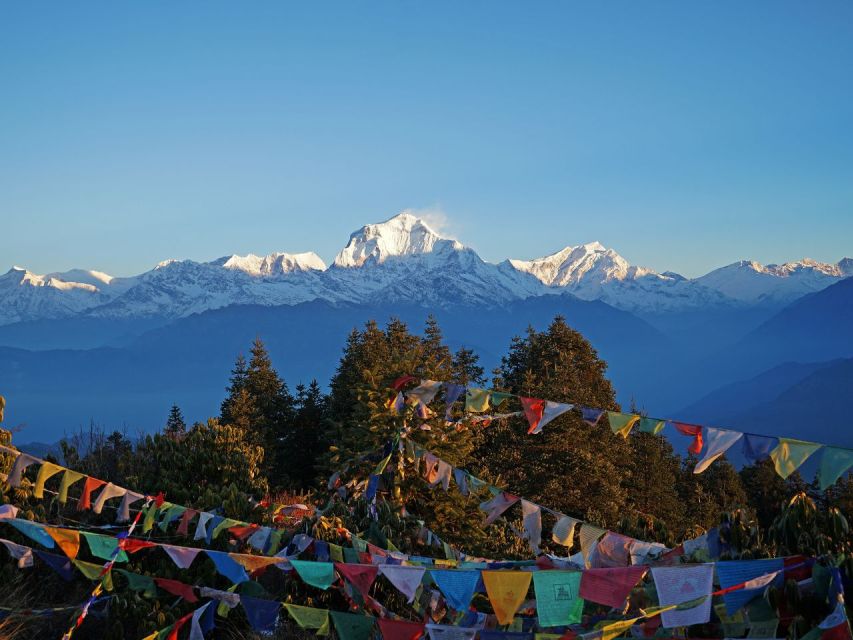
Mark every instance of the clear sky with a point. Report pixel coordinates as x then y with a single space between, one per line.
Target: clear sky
685 135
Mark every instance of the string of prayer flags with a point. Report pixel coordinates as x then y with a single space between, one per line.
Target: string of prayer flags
558 601
400 629
352 626
735 572
622 423
405 578
261 614
679 585
757 448
47 470
833 464
317 574
691 430
610 587
564 531
790 454
506 591
457 586
361 576
532 519
476 400
717 442
500 502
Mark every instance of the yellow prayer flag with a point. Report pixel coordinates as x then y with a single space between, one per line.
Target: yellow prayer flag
252 563
615 629
506 591
477 400
69 478
47 470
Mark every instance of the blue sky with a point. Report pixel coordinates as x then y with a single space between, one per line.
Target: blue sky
684 135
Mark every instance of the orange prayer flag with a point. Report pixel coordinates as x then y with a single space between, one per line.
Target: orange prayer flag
67 539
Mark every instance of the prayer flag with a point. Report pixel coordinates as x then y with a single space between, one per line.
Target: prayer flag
317 574
533 410
140 583
67 539
33 532
424 392
610 587
553 410
499 397
736 572
757 448
834 462
254 563
202 622
506 591
104 547
68 478
692 430
406 579
497 505
532 519
85 501
622 423
591 416
182 556
442 475
261 614
650 425
452 392
790 454
400 629
177 588
109 491
589 536
564 531
20 465
124 508
613 550
679 585
24 555
226 566
184 525
361 576
558 601
457 586
476 400
717 441
352 626
450 632
201 527
60 564
47 470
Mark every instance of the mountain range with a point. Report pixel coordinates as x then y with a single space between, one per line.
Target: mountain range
403 260
83 345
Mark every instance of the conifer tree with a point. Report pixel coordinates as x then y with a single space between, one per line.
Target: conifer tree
307 443
175 425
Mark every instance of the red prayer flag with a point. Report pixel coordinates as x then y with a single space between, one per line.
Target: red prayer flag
361 576
132 545
177 588
183 527
610 587
400 629
85 501
693 430
533 410
242 533
402 380
173 634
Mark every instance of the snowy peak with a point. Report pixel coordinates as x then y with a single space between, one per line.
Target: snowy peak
573 266
273 264
403 235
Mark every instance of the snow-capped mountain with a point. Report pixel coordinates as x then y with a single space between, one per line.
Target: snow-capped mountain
751 282
402 260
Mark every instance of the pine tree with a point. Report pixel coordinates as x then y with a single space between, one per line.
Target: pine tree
466 367
766 491
308 442
175 425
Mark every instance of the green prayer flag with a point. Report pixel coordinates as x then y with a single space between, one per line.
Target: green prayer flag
834 462
225 524
317 574
351 555
650 425
103 546
171 514
477 400
380 468
557 600
274 541
310 618
622 423
359 545
148 519
790 454
336 552
352 626
138 582
499 397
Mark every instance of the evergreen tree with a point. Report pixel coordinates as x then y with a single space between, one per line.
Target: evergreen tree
654 473
766 491
307 443
466 368
571 466
259 402
175 425
719 489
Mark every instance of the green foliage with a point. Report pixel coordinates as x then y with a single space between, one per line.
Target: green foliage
175 425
